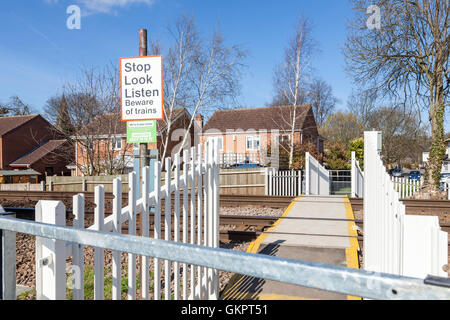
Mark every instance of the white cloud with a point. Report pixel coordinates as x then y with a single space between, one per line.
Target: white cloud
108 6
105 6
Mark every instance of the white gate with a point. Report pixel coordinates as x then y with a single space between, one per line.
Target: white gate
357 178
196 221
394 242
317 178
286 183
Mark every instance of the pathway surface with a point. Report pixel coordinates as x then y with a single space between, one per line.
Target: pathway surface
306 232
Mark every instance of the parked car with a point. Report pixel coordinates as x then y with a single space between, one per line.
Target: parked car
414 175
397 172
443 181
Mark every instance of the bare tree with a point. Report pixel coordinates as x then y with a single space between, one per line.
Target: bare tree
403 135
92 104
201 77
178 63
15 107
322 100
362 104
291 76
407 56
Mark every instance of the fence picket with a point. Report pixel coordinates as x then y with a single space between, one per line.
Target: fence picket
145 223
216 198
117 226
131 231
185 216
99 254
176 225
201 195
167 228
157 232
78 249
193 196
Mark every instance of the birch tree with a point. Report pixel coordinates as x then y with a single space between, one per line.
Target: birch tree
199 76
292 75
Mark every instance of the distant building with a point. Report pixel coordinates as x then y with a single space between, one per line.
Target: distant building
106 140
31 143
244 134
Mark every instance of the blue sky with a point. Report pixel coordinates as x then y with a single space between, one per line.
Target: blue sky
38 53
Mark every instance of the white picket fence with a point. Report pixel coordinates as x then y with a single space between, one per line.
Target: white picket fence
196 221
283 183
317 178
396 243
405 187
357 176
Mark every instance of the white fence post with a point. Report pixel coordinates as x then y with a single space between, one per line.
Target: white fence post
202 215
99 253
145 232
176 226
132 231
50 254
167 228
117 227
307 175
353 175
77 249
185 216
157 231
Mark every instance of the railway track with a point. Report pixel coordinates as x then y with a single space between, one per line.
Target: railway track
225 200
242 224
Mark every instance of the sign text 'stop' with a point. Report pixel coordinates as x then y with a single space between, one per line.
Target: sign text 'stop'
141 88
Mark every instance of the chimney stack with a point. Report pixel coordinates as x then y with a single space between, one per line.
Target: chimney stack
199 121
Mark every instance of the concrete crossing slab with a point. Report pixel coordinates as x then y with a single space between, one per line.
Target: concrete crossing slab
314 233
306 232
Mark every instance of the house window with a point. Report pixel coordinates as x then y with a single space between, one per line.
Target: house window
253 143
89 145
285 138
220 139
116 143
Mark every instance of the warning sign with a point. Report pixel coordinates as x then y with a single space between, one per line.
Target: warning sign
141 88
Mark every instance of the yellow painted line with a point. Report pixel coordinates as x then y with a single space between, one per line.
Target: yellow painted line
233 292
281 297
351 254
254 246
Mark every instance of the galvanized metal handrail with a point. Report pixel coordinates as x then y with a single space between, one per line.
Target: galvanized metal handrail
354 282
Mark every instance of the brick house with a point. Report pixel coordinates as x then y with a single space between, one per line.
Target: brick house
109 153
245 135
31 142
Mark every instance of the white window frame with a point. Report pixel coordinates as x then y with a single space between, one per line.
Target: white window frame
282 138
253 139
114 144
220 142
